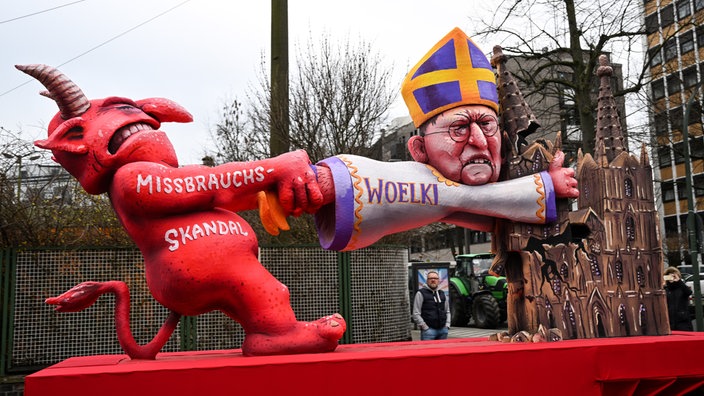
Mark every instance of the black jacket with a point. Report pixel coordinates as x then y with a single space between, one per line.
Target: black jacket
433 311
678 305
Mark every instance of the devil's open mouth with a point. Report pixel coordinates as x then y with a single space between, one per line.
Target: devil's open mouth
121 135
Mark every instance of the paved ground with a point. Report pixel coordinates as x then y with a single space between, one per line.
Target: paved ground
461 332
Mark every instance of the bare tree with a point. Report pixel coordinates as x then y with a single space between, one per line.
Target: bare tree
562 40
339 100
339 97
235 137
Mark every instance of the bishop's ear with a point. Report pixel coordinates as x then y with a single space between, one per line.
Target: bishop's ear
416 146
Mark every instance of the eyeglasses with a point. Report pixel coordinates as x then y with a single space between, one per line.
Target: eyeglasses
433 279
460 129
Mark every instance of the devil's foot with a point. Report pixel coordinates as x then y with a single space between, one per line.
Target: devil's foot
319 336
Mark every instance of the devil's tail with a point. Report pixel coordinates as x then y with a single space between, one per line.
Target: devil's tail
86 293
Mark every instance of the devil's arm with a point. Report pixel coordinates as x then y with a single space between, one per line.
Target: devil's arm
374 199
156 190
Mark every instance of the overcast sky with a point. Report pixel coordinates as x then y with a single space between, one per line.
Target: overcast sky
199 53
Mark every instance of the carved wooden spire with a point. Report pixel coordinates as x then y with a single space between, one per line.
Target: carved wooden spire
517 118
609 136
644 159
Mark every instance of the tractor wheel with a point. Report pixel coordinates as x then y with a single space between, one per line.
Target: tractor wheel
458 315
487 314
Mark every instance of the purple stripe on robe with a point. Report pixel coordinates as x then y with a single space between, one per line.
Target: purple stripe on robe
550 206
335 221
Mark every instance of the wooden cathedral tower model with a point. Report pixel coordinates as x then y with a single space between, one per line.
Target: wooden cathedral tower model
597 271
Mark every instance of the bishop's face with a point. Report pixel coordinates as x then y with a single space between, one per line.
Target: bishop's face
464 144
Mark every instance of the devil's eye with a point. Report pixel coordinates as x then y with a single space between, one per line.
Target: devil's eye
75 133
125 107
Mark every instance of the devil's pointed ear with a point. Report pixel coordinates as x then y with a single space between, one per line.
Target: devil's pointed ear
61 145
416 146
67 137
164 110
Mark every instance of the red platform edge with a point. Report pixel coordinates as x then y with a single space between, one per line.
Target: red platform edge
650 365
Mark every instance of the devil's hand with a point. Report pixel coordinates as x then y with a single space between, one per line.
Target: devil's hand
77 298
563 180
297 186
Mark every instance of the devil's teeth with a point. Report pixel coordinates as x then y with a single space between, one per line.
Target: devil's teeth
125 132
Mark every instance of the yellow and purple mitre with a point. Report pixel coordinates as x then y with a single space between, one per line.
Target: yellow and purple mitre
453 73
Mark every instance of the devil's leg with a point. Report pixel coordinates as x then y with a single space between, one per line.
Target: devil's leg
261 305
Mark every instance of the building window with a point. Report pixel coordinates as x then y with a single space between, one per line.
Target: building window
698 5
594 265
696 148
698 182
700 35
671 225
640 276
689 77
683 9
695 113
658 89
551 317
567 98
676 118
670 49
660 124
678 149
655 56
668 193
651 23
628 188
687 42
619 271
682 192
667 16
571 320
643 319
630 229
623 321
556 286
673 84
664 157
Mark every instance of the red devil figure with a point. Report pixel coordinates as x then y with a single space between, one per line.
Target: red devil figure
199 255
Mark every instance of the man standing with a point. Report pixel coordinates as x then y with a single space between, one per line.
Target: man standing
431 309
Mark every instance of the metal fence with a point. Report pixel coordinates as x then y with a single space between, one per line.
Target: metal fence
368 287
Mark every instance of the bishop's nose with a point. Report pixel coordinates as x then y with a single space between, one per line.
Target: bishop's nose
476 136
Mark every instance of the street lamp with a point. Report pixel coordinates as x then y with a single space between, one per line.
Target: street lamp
18 159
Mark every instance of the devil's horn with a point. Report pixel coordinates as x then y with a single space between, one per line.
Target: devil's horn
68 96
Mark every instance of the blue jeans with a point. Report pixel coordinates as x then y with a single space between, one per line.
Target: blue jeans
433 334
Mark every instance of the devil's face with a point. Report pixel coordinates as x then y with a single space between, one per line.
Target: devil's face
111 133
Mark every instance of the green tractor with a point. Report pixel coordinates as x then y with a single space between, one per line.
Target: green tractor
476 294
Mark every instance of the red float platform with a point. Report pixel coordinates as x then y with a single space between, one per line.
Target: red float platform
667 365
